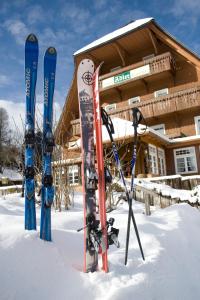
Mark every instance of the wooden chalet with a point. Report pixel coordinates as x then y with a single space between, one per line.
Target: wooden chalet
144 66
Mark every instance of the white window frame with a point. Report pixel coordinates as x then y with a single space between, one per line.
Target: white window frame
73 172
161 162
154 158
192 154
197 124
156 93
133 100
110 107
155 127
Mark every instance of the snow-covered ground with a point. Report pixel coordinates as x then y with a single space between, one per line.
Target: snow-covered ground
34 269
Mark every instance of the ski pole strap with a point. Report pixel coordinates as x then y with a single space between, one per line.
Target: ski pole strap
107 122
137 116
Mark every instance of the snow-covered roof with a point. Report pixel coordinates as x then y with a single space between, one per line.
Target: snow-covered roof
12 175
115 34
123 130
186 139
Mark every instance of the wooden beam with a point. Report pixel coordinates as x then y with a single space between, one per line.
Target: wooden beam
145 84
153 40
119 92
95 60
170 41
122 53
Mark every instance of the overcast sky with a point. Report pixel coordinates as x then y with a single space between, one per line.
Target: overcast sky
70 25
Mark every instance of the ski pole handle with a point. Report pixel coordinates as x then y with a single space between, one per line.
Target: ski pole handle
107 121
137 116
80 229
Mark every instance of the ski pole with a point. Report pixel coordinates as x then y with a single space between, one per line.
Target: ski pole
137 117
110 128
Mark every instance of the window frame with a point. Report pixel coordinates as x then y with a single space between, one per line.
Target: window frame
161 124
155 154
164 161
185 161
196 121
113 104
136 98
164 89
72 173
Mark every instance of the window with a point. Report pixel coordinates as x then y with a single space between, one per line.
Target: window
110 107
153 160
185 160
133 100
161 93
73 175
160 128
161 162
197 124
147 57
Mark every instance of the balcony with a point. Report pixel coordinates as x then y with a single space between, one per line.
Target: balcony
138 71
173 102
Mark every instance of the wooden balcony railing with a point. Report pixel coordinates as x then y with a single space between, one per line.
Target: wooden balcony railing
177 101
157 64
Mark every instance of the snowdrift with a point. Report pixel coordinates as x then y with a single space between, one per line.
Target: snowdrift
34 269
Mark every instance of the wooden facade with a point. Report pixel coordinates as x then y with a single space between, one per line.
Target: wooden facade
147 68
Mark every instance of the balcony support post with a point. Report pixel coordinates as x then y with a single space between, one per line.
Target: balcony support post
153 40
122 53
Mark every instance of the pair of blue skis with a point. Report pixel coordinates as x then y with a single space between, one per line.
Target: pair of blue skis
47 193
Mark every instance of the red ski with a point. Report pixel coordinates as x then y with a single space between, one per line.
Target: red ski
100 167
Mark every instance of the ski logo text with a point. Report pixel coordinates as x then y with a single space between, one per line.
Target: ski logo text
28 81
46 91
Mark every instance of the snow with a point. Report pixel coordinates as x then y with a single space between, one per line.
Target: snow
192 196
11 174
4 188
34 269
115 34
165 190
124 129
186 139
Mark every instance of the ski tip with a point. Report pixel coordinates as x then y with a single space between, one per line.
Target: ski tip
32 38
51 51
86 62
85 71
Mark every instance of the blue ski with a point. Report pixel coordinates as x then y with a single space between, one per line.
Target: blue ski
48 144
31 62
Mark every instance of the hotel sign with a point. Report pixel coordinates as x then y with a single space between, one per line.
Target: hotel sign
122 77
127 75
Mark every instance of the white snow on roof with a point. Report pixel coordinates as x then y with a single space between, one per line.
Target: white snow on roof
117 33
186 139
124 129
11 174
